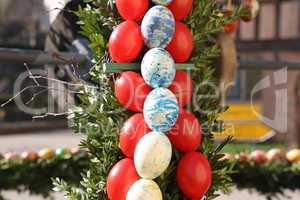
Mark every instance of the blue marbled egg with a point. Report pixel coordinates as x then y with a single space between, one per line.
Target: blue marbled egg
161 110
158 27
162 2
158 68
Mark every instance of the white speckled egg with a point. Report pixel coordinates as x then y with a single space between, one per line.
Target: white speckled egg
152 155
162 2
158 27
144 190
158 68
161 110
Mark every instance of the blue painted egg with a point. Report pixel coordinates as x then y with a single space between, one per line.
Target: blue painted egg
158 68
161 110
162 2
158 27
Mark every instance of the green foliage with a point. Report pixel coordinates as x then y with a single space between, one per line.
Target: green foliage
274 178
236 147
100 116
35 176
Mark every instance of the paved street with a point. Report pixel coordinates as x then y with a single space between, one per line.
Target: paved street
65 138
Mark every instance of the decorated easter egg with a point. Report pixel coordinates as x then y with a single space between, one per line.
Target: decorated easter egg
182 87
152 155
194 175
158 27
181 8
182 44
131 90
132 10
162 2
158 69
46 153
62 152
293 155
133 130
125 42
161 110
29 155
144 189
120 178
11 156
186 134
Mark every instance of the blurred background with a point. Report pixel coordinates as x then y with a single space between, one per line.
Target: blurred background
264 46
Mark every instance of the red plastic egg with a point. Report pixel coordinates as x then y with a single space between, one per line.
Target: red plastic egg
133 130
186 134
121 177
125 42
132 10
194 175
182 87
131 90
182 43
181 8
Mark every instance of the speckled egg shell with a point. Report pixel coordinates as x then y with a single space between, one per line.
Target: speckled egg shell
158 68
158 27
162 2
145 190
152 155
161 110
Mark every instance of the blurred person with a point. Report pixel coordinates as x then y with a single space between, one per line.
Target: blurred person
63 35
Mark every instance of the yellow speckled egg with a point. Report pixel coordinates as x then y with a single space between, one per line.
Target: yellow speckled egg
152 155
293 155
144 190
46 153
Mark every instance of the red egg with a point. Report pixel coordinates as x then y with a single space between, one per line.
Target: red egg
182 43
131 90
133 130
125 42
232 27
120 179
244 157
194 175
132 10
11 156
181 8
186 134
29 155
259 157
182 87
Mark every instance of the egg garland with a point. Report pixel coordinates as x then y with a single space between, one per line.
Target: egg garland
158 27
161 110
158 68
144 189
152 155
149 144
